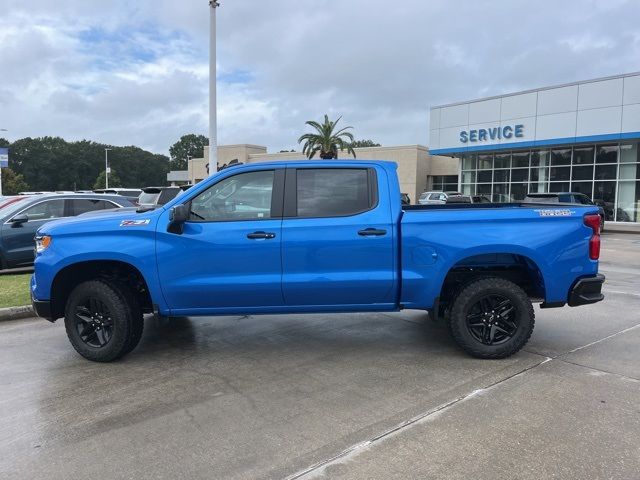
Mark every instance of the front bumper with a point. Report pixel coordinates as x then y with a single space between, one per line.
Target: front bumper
42 308
587 290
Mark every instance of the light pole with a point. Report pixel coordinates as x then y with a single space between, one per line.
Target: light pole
213 120
106 168
1 130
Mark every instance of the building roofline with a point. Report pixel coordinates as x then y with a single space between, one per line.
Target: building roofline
541 89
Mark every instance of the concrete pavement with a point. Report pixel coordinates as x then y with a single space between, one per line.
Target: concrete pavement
332 396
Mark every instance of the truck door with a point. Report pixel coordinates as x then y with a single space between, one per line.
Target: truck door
228 254
337 238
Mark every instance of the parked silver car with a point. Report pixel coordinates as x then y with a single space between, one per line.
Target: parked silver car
435 198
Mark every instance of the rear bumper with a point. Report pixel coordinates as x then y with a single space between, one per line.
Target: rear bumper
587 290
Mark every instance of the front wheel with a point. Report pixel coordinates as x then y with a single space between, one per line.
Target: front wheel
491 318
103 322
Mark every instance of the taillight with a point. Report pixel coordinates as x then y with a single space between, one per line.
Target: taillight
593 221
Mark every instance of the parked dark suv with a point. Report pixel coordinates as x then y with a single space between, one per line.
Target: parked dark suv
20 219
565 197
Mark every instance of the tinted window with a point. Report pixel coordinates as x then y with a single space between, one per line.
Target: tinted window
328 192
168 194
83 205
45 210
246 196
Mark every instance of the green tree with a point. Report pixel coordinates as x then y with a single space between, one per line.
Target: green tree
364 143
189 146
114 180
327 141
12 182
51 163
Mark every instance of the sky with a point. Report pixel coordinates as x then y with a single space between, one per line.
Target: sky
136 72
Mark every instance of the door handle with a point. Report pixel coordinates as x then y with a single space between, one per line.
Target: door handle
260 235
372 232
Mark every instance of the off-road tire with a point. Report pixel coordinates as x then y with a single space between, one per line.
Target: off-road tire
124 312
469 295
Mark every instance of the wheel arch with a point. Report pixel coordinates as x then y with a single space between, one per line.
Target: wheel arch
516 267
116 271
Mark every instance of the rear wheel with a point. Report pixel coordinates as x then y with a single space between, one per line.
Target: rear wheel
491 318
102 321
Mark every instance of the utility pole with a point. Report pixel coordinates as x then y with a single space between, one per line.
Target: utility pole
106 167
213 119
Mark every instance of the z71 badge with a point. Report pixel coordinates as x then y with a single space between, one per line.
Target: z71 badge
134 223
555 213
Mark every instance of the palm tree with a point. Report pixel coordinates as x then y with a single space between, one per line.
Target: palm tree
326 140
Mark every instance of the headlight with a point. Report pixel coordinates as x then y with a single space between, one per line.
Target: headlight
42 243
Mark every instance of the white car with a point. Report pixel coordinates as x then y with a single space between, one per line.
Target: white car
435 198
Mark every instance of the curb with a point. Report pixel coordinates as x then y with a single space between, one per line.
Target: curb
16 313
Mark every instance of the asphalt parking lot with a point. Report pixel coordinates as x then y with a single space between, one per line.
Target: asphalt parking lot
333 396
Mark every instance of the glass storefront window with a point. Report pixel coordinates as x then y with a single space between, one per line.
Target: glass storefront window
519 174
561 157
628 202
468 177
500 193
583 155
582 172
607 154
630 171
540 158
520 159
469 162
485 162
538 187
502 161
501 176
559 173
483 189
606 172
582 187
559 187
518 191
604 194
629 153
484 176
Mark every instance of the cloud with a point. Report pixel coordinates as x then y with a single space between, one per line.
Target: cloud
137 72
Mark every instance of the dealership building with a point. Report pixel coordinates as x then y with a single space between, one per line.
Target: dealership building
579 137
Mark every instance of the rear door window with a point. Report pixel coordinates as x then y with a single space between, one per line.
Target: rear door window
84 205
333 192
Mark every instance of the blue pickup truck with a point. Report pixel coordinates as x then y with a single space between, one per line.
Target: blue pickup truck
315 236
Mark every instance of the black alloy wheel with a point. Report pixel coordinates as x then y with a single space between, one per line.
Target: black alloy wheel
491 317
492 320
93 322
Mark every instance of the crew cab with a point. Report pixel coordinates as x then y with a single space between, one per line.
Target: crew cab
315 236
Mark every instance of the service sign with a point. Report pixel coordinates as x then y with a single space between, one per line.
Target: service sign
496 133
4 157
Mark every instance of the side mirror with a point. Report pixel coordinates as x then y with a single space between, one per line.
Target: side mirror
18 220
177 216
